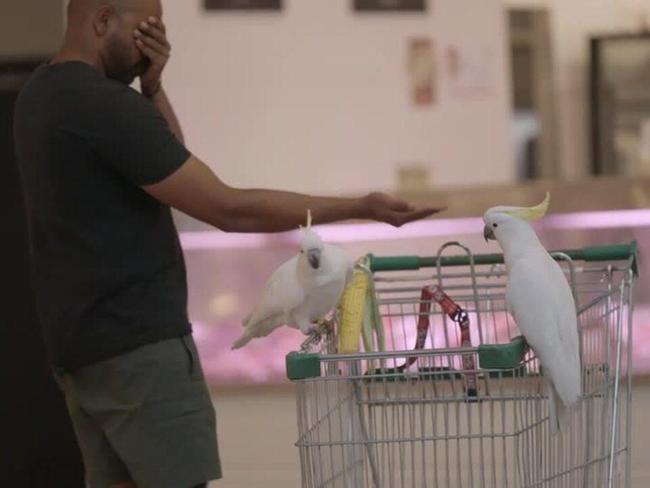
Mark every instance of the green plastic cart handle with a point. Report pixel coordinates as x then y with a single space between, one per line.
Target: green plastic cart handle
590 254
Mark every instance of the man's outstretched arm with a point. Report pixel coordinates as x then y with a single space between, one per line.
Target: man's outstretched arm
195 190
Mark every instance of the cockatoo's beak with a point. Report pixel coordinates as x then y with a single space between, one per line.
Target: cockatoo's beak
313 256
488 233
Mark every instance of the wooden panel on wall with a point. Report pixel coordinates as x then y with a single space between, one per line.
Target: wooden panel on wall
243 4
390 5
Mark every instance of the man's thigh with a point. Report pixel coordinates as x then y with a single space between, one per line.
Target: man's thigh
154 410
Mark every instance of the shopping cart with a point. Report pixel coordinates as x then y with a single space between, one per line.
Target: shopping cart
444 393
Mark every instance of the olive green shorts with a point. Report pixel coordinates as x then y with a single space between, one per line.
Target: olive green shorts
145 416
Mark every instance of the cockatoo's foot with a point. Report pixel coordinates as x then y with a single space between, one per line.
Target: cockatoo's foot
325 326
310 329
315 330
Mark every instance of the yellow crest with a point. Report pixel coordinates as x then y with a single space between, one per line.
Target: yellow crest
532 213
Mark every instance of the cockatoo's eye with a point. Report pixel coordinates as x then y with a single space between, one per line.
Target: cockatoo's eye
495 225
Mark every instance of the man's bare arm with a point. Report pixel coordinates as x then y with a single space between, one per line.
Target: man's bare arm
151 39
164 106
195 190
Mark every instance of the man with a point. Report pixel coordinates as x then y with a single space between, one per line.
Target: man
102 165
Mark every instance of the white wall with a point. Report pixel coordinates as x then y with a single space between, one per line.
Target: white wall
316 98
270 99
572 23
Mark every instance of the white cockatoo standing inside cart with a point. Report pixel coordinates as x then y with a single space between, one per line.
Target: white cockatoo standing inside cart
541 302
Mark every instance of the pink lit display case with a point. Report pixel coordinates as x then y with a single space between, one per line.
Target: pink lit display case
227 272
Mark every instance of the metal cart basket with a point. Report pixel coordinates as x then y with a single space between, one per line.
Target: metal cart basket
445 394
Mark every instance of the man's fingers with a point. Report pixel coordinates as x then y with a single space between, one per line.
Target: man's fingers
154 55
154 32
411 216
152 41
401 206
158 23
152 45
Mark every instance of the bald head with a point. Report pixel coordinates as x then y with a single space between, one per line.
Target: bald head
103 30
84 7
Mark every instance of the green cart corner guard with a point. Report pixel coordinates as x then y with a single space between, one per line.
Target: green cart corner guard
502 356
301 366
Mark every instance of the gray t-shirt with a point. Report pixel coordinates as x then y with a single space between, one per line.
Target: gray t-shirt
108 270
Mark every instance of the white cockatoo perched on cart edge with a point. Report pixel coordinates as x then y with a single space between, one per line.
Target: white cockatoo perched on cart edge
541 302
301 291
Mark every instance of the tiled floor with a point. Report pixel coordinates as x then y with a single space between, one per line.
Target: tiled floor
257 429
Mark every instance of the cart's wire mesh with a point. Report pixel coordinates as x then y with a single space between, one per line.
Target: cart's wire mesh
367 423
